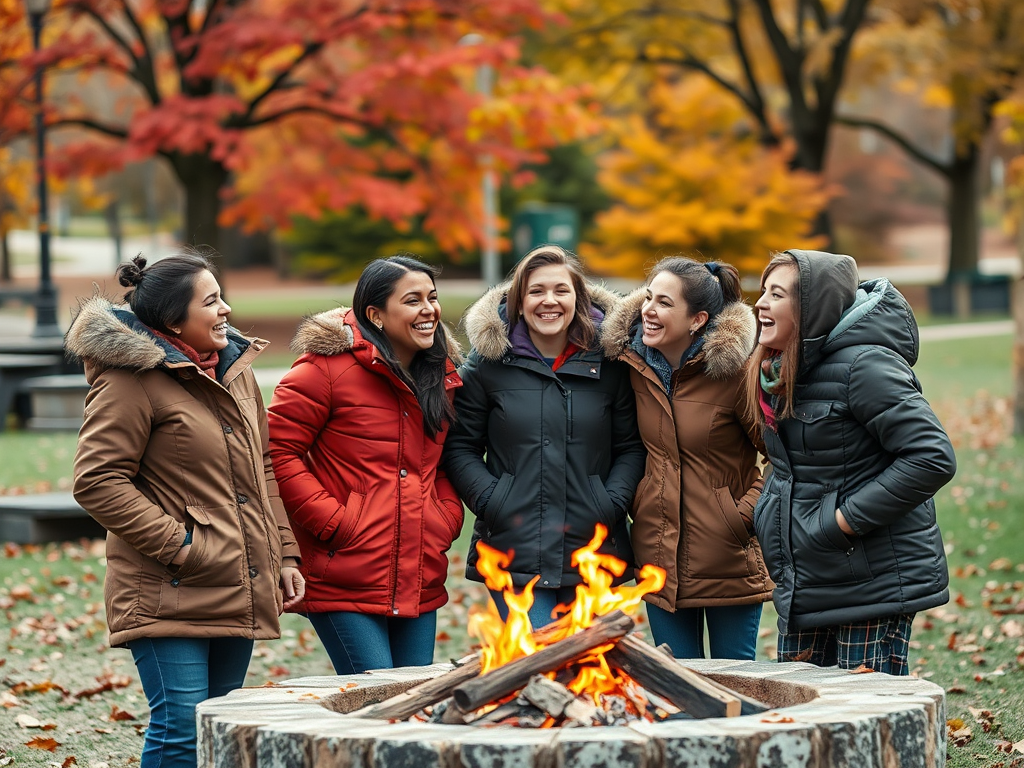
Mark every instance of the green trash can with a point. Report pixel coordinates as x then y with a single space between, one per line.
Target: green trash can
543 223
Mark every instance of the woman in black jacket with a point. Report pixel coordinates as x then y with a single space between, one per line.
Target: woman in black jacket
846 519
556 422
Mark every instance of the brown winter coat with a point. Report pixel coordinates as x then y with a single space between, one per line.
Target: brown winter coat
165 448
693 510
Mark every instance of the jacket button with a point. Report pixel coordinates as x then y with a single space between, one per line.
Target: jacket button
402 473
227 429
545 582
546 441
254 572
849 551
175 582
242 498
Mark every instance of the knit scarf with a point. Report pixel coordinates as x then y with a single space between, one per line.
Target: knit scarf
771 388
207 366
659 363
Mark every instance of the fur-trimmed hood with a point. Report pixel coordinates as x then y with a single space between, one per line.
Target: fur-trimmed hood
727 343
335 331
488 332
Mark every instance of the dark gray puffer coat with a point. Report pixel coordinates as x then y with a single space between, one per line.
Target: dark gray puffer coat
865 441
562 448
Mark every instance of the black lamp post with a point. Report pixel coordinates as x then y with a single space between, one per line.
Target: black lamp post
46 296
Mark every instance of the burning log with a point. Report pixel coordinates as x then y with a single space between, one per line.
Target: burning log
423 695
516 712
748 706
559 702
502 681
693 693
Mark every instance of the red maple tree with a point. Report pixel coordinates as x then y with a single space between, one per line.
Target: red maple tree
268 108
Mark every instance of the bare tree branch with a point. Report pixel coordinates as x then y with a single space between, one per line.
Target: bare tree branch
83 122
755 101
899 139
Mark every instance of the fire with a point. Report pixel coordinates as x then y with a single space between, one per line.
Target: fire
503 642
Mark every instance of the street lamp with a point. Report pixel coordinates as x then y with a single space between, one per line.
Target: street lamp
46 296
490 260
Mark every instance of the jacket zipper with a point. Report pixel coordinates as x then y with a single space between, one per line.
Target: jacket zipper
568 414
398 507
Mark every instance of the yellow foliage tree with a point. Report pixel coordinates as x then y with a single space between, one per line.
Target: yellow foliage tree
694 179
16 201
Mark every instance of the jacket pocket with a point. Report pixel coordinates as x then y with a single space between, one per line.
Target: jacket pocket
497 500
731 514
768 527
349 523
452 523
822 554
606 510
215 558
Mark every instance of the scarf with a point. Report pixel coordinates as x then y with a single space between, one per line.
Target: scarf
207 366
658 362
770 389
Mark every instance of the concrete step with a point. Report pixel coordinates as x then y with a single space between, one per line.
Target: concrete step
42 517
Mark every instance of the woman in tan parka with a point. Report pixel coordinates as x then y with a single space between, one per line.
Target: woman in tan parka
173 460
687 336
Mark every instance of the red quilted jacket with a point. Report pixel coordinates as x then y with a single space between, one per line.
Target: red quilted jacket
359 477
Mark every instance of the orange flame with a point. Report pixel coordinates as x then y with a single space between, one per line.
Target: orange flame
503 642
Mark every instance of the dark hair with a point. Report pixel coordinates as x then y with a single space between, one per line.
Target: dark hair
581 330
162 292
427 371
790 355
707 287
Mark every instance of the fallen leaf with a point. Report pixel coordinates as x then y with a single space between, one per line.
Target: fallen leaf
776 717
861 670
27 721
443 637
42 742
277 671
1012 628
8 700
69 761
1018 746
21 592
1001 564
956 689
119 714
961 737
107 682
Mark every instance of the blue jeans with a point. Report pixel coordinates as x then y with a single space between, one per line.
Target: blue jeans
544 602
357 642
732 630
177 673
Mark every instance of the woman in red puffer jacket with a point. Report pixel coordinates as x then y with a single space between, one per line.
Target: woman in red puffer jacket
356 430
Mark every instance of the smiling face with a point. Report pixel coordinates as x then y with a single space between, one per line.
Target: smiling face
410 316
669 325
206 326
777 308
549 307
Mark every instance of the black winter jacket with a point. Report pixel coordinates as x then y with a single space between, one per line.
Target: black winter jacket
862 440
563 452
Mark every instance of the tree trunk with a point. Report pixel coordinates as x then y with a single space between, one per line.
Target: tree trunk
1018 341
811 136
963 212
5 258
203 179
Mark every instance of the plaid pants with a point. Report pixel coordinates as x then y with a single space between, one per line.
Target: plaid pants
879 644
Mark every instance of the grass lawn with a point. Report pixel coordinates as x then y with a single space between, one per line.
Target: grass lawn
60 681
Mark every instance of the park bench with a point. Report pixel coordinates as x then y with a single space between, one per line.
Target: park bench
41 517
55 402
15 368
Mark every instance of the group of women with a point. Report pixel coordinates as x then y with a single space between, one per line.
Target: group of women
575 407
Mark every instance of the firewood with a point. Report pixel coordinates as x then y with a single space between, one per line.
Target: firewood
418 697
666 677
558 701
500 682
748 706
514 712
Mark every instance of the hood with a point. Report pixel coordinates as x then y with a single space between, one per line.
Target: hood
336 331
486 325
828 285
879 315
113 337
107 336
728 341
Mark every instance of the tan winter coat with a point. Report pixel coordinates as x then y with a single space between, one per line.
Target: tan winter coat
165 448
693 510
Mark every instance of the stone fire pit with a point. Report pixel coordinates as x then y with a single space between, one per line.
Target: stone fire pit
821 717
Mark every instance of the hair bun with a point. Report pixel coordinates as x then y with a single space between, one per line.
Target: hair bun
130 273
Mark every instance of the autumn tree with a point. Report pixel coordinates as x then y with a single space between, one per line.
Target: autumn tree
783 62
968 58
265 108
695 180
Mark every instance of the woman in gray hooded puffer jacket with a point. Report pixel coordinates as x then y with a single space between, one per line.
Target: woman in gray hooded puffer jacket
846 519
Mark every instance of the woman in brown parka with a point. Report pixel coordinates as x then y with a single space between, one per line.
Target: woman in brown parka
173 460
687 336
